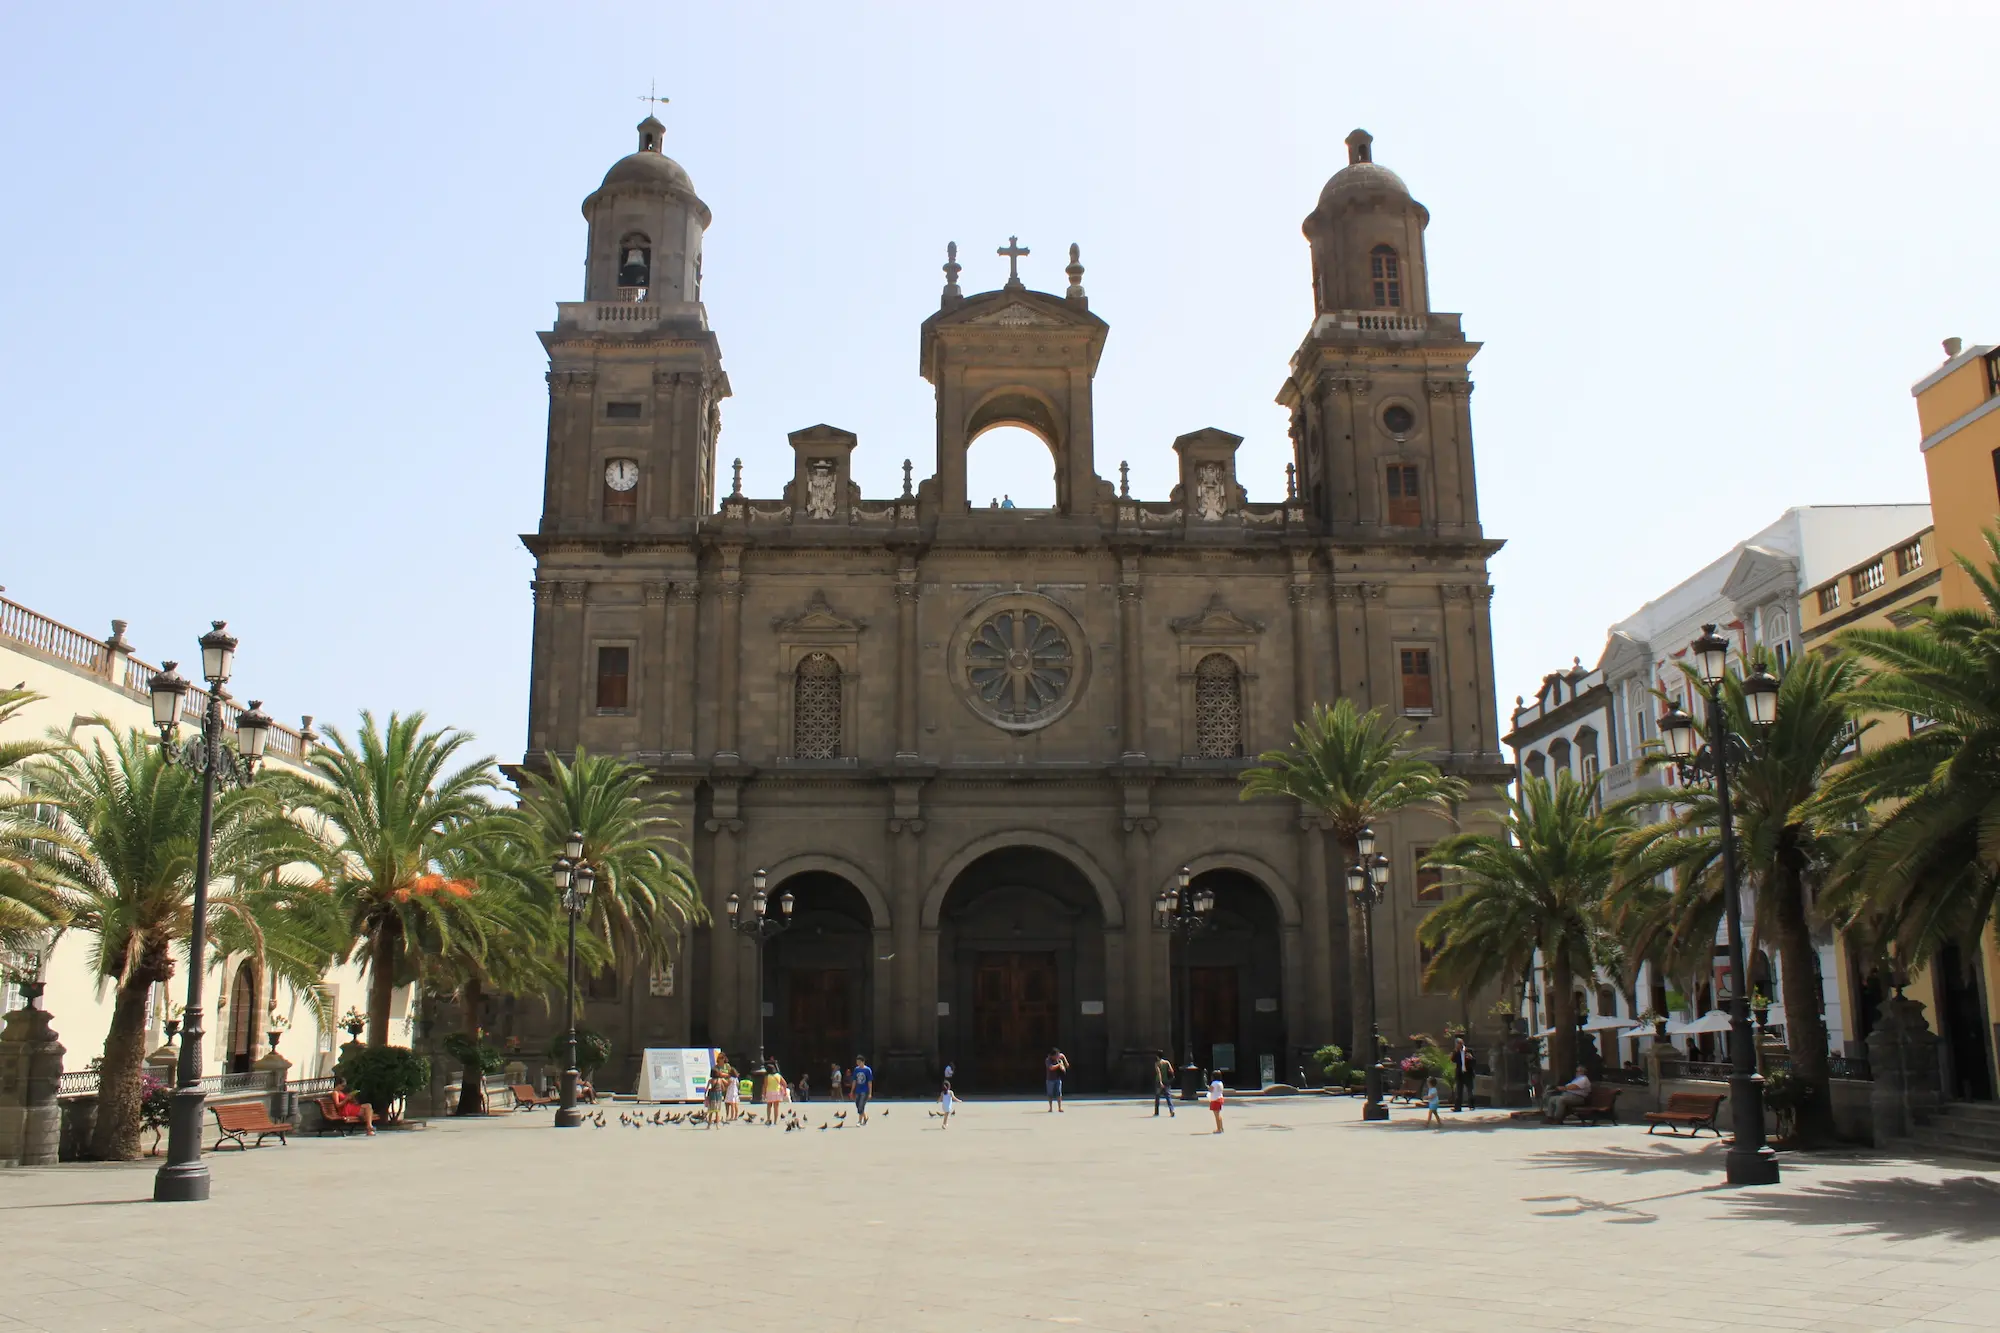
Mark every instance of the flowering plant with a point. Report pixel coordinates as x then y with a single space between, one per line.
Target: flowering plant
277 1022
156 1104
353 1021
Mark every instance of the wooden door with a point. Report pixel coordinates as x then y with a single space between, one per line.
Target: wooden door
1213 1006
1013 1018
820 1021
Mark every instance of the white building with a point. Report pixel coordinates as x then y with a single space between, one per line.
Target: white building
1599 721
90 688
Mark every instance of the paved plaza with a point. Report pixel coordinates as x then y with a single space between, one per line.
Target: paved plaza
1298 1217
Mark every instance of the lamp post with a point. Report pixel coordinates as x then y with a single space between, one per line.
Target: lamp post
1367 883
575 879
1750 1160
184 1177
1184 912
761 927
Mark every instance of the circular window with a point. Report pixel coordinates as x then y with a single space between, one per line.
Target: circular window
1399 420
1019 661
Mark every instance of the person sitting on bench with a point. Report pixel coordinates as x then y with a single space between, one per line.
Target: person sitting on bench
358 1112
1573 1093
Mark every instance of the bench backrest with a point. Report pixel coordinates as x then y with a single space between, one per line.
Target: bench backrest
1694 1103
240 1115
523 1093
1602 1096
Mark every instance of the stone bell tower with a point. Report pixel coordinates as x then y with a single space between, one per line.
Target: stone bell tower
635 375
1381 427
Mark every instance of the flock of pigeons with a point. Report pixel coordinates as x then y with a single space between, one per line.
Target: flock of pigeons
792 1120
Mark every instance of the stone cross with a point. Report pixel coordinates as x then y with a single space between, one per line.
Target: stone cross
1013 250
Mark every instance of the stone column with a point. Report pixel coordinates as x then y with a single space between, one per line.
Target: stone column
907 896
729 648
1132 675
725 1028
1305 665
686 658
908 682
654 668
540 700
277 1072
1350 643
30 1070
569 650
1316 1025
1147 983
1902 1053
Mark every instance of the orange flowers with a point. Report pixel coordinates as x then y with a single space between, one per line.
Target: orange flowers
431 885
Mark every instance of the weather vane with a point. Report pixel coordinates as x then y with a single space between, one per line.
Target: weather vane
652 90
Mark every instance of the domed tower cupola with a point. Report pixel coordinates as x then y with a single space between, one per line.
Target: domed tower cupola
646 225
1367 238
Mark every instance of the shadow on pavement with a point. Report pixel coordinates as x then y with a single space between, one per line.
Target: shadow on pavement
1632 1161
1963 1208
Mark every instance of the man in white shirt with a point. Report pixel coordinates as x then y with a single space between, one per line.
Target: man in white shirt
1573 1093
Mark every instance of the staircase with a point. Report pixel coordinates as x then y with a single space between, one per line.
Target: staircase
1960 1129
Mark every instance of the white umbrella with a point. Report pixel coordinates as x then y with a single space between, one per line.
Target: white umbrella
1609 1023
1712 1021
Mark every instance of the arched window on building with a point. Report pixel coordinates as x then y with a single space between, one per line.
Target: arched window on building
635 261
1538 765
1385 272
1559 758
1218 708
816 707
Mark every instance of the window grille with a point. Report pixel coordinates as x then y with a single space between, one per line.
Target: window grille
816 707
1218 708
1385 271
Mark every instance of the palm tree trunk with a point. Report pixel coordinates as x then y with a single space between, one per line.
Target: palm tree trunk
1562 1018
1357 955
1805 1025
381 980
114 1136
472 1079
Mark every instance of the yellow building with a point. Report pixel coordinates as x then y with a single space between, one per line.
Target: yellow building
89 689
1958 410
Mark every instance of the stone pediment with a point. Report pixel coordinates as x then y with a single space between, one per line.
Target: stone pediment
818 620
1015 315
1216 621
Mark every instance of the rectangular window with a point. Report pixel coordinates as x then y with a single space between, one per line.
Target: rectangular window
1829 598
1851 738
1909 556
614 677
1992 373
1868 578
1430 880
620 506
1406 509
1416 680
622 411
1996 470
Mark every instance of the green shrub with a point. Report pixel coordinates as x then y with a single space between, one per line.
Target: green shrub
471 1053
593 1050
1333 1060
383 1075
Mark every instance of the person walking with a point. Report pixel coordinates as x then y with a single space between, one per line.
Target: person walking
1163 1084
774 1087
732 1095
833 1089
864 1084
711 1099
945 1101
1431 1096
1463 1067
1054 1066
1215 1100
804 1092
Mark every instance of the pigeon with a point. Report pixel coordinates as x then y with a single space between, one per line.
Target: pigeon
624 1119
840 1115
824 1128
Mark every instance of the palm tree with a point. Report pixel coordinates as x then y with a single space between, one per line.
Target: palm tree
1789 832
1925 873
29 906
394 818
645 899
1353 769
122 852
1537 883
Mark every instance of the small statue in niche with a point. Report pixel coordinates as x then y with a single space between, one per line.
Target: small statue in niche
820 479
1211 495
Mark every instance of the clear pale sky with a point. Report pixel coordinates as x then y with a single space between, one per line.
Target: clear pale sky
272 276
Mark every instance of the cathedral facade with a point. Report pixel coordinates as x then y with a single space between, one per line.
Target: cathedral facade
973 745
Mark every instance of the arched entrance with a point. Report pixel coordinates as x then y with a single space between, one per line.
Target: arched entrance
819 978
243 1018
1229 985
1021 969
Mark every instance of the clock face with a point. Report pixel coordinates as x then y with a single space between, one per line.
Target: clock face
621 474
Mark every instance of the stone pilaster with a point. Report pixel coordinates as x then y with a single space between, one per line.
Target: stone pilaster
684 624
570 649
729 648
1316 1027
31 1060
654 669
1131 661
727 1021
908 591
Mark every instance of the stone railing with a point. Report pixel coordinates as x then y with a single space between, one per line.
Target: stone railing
83 1083
1388 323
51 638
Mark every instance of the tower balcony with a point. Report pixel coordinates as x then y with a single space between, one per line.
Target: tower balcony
1386 325
630 316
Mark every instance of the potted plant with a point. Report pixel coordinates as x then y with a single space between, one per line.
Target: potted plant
173 1021
1659 1022
1784 1093
1760 1006
354 1021
276 1026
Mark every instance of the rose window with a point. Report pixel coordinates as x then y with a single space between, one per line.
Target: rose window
1019 665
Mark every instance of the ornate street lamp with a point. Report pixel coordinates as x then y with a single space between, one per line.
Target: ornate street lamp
1367 884
761 927
184 1177
1750 1160
575 878
1185 911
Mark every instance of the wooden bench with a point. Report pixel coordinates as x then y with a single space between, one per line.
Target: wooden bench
1696 1110
1602 1106
237 1120
1412 1090
527 1099
332 1121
